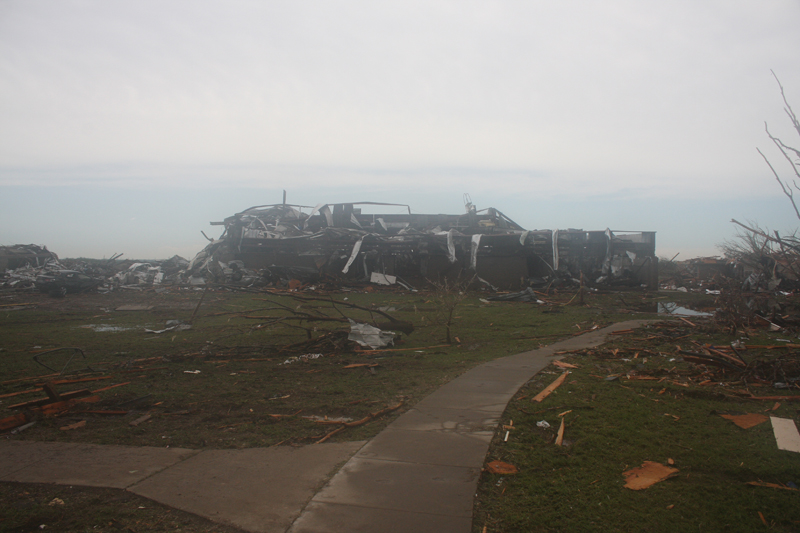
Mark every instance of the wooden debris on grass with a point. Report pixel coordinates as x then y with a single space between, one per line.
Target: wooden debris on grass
51 391
143 418
369 417
141 369
705 359
560 436
746 421
70 381
76 425
110 387
11 394
622 332
776 398
562 364
770 485
786 435
646 475
55 409
50 399
499 467
359 365
550 388
32 378
10 422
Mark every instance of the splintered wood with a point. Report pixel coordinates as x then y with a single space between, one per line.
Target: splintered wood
560 437
646 475
550 388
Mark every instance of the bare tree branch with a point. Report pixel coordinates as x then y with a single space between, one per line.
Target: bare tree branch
786 184
788 108
783 148
786 190
760 233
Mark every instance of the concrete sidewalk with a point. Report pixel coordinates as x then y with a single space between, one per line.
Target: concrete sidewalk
419 474
259 489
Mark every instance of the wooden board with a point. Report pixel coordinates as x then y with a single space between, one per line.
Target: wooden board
786 434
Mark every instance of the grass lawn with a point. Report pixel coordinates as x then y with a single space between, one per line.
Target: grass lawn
226 383
630 401
247 395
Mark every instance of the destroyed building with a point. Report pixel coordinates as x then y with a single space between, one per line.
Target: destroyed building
23 255
340 241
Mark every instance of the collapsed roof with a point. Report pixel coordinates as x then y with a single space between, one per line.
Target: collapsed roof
342 241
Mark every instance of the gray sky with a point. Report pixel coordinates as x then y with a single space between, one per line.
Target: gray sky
128 126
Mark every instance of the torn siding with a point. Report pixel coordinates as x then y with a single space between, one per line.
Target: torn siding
340 241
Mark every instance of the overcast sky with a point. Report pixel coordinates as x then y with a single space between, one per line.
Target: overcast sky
128 126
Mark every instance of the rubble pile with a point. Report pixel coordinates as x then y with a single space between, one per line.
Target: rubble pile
698 275
292 246
58 277
282 242
741 369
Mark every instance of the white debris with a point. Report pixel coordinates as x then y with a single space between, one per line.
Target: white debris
367 335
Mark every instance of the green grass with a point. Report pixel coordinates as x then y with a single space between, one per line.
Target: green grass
28 506
617 425
613 425
242 381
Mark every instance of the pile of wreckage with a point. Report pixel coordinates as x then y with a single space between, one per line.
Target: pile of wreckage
292 246
32 267
337 242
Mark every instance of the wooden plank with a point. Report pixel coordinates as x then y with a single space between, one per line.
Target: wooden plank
776 398
550 388
59 407
146 369
111 387
10 422
646 475
746 421
562 364
51 391
10 394
43 401
786 435
560 437
69 381
139 420
32 378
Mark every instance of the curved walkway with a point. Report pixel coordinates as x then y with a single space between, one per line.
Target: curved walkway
419 474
